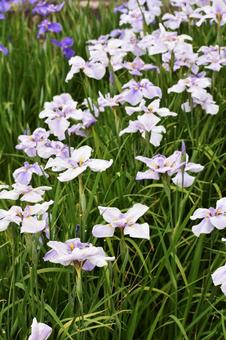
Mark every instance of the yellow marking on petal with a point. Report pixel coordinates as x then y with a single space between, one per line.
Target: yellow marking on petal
72 246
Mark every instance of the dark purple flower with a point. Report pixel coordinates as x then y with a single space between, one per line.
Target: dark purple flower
48 26
65 45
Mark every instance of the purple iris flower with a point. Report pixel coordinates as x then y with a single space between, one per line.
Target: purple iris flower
65 45
43 8
48 26
4 49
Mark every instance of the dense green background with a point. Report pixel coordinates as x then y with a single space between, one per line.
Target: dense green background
160 289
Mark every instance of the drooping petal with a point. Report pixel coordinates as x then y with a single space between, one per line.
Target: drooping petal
32 225
204 227
149 174
218 221
200 213
110 214
183 179
103 230
99 165
138 231
134 213
70 174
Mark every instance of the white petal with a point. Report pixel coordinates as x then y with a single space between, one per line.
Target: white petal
110 214
32 225
200 213
135 212
101 230
184 180
99 164
204 227
219 221
138 231
70 174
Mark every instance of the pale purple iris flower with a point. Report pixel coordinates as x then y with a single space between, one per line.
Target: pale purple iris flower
134 92
23 175
211 218
91 69
79 161
48 26
58 113
32 218
27 193
196 85
216 12
212 57
152 108
39 331
75 252
146 124
219 278
127 222
38 144
137 66
30 143
65 45
176 165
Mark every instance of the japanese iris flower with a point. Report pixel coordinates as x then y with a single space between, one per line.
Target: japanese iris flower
125 221
39 331
58 112
27 193
134 92
32 218
211 218
91 68
79 161
23 175
172 165
75 252
219 278
146 123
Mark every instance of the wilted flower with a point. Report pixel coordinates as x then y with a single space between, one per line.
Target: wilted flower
39 331
74 252
76 164
125 221
211 218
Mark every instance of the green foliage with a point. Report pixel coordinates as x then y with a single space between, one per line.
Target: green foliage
157 289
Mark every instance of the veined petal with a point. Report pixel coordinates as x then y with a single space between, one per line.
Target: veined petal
149 174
